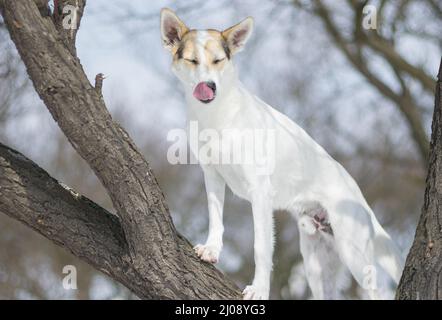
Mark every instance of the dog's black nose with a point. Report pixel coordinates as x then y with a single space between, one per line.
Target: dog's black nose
211 85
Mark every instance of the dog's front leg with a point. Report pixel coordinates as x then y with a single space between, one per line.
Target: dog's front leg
215 189
263 245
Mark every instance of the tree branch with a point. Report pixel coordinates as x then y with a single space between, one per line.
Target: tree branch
163 259
404 103
376 42
30 195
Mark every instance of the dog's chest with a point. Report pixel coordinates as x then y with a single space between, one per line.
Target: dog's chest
228 161
236 179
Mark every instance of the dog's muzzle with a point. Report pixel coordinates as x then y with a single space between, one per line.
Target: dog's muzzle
205 91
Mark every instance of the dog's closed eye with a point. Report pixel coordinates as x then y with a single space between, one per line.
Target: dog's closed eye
193 61
216 61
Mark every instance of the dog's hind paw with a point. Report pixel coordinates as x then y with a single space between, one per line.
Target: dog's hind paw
254 292
208 253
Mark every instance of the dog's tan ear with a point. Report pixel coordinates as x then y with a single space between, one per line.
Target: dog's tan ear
238 35
172 29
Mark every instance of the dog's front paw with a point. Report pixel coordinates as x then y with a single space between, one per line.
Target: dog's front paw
207 252
255 292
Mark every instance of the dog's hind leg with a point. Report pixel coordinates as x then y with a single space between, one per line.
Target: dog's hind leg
321 263
354 235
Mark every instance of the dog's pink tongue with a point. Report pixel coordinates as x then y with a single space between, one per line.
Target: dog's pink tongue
203 92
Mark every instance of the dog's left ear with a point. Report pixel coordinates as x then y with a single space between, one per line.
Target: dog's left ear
172 29
237 36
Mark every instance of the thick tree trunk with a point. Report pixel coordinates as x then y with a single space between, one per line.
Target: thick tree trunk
153 260
422 276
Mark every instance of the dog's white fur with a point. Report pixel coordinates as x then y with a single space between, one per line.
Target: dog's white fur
305 178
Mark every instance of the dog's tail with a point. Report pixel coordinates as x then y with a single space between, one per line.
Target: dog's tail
387 254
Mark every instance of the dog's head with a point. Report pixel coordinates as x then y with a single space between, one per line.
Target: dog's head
202 58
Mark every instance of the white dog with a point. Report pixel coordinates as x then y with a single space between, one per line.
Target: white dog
337 227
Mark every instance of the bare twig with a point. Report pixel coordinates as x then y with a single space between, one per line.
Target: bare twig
99 83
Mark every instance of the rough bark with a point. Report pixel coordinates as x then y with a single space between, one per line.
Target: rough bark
422 276
163 262
30 195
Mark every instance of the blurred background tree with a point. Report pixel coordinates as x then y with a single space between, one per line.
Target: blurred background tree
366 95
